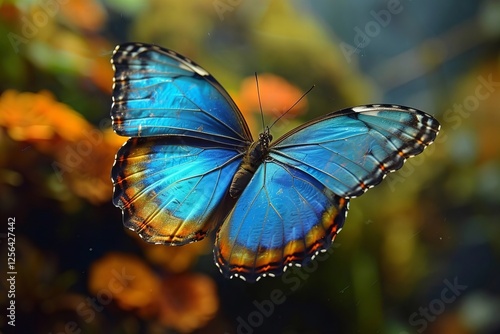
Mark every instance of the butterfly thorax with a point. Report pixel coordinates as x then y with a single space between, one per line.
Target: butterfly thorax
256 153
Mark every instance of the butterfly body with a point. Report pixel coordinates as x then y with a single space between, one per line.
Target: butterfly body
256 153
192 167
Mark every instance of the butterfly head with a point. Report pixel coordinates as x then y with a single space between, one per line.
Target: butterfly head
265 138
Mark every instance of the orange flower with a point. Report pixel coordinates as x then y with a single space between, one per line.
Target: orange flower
184 302
86 164
101 73
277 95
38 117
188 302
83 154
176 259
77 13
127 281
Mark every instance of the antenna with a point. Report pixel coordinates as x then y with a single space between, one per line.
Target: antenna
283 114
260 102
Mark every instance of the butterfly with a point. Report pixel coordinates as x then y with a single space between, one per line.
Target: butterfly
192 167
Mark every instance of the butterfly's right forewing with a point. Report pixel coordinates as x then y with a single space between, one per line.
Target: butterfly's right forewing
352 150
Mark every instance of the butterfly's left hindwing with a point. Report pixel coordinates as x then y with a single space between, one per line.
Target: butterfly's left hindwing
172 190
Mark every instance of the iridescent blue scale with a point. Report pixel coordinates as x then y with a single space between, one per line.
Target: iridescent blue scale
192 167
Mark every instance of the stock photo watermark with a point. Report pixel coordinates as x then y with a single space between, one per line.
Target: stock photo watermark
11 271
430 312
33 22
364 35
485 87
453 118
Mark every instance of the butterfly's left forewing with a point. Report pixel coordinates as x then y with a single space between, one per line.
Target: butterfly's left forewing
158 92
172 190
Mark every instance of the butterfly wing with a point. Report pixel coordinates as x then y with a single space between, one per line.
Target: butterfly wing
283 217
171 179
158 92
171 189
296 202
352 150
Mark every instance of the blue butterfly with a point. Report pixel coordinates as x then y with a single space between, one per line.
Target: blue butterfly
191 165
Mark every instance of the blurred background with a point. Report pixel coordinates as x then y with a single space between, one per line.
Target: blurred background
418 254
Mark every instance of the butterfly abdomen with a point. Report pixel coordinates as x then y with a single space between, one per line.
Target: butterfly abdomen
256 153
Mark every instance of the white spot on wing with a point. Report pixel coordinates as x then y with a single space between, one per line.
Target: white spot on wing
193 68
360 108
